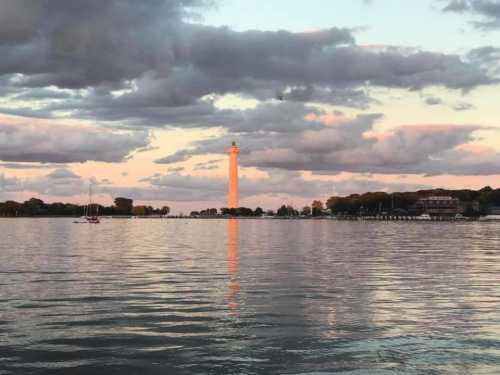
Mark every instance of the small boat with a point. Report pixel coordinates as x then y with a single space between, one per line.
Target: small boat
424 217
92 219
89 217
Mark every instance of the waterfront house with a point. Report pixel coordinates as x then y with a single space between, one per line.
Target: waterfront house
440 206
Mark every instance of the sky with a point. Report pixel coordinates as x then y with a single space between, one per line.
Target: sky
143 99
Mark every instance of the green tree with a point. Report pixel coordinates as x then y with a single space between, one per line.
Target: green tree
258 211
282 211
124 205
306 211
34 207
12 208
287 211
317 208
139 211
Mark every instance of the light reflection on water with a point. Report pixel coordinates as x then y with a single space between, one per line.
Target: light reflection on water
232 263
253 297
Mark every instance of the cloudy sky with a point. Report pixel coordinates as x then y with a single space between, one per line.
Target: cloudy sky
143 98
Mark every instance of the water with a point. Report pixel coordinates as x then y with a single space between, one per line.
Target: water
248 297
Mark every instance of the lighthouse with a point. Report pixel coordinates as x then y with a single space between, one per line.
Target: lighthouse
232 195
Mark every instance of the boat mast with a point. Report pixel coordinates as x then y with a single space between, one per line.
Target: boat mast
89 212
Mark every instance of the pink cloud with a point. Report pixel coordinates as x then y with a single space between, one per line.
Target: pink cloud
328 118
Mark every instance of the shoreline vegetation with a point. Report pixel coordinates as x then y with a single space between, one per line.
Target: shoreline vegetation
469 204
34 207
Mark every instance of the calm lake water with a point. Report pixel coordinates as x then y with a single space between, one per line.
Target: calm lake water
248 297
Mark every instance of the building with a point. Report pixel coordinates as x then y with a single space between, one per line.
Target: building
232 195
440 206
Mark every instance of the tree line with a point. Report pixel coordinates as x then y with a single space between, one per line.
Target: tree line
375 203
474 203
316 209
238 212
37 207
371 203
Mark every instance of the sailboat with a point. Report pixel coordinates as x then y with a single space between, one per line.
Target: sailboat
89 216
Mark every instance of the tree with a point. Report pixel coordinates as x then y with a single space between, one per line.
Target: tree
34 207
282 211
165 210
209 212
11 208
241 211
244 211
317 208
306 211
139 211
258 211
287 211
124 205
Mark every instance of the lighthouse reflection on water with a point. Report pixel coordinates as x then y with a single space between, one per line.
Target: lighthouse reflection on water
232 264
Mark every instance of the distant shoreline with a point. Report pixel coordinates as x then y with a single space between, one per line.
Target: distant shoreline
343 219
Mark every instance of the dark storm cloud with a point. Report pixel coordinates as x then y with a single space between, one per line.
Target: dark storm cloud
88 43
50 143
20 20
84 43
488 11
151 48
136 64
352 65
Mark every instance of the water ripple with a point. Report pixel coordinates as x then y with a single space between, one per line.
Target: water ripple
249 297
